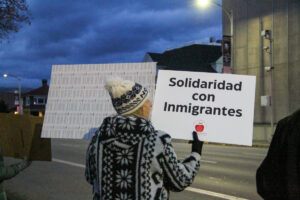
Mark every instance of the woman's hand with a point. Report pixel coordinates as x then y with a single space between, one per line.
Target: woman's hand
23 164
196 143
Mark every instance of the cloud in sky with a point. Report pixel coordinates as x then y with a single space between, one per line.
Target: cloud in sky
101 31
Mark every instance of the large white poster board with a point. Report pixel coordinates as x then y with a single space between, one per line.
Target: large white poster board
219 107
77 100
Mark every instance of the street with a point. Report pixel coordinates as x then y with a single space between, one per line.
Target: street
226 172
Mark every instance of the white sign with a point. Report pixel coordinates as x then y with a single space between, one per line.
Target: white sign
219 107
77 100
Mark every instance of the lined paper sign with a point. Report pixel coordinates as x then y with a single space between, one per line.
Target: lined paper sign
77 100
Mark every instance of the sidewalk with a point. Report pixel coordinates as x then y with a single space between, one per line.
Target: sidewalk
263 144
12 196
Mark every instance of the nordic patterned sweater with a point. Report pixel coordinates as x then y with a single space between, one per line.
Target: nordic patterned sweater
128 159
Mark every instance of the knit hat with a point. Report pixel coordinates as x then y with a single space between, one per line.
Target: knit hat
127 96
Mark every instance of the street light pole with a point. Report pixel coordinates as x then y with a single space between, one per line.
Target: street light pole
20 98
229 14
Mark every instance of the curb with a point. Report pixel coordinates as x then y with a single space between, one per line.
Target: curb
235 145
255 145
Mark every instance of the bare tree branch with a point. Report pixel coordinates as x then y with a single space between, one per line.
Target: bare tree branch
13 13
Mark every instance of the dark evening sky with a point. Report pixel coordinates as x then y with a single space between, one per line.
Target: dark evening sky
101 31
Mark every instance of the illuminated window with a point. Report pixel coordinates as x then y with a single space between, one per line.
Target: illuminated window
16 100
39 100
27 101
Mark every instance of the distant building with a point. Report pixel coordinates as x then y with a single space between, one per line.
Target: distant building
194 57
35 100
218 65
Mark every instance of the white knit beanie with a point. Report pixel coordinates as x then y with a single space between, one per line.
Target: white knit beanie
127 96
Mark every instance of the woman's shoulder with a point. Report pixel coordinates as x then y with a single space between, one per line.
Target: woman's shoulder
161 133
163 137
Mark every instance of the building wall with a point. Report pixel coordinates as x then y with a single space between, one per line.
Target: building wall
282 17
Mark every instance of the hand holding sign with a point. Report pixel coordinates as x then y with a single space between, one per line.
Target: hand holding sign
196 144
23 164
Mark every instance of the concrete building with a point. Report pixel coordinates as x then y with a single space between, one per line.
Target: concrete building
282 18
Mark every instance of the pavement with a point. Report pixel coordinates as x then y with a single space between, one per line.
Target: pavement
226 172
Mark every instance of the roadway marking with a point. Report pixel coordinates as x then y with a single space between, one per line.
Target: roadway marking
209 161
214 194
205 161
214 178
255 154
200 191
68 163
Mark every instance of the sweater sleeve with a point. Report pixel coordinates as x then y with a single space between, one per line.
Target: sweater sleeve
8 172
178 175
90 165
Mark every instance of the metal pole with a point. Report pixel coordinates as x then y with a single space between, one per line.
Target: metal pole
20 93
229 14
232 47
20 100
271 84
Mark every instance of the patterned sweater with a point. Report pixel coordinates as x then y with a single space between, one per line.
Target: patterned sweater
128 159
6 173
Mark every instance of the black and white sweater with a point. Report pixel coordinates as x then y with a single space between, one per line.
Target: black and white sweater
128 159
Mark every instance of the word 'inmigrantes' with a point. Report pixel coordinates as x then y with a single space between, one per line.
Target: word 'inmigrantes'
198 110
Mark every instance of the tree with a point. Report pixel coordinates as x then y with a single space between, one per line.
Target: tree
13 13
3 107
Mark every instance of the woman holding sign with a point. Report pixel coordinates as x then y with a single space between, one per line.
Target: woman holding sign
128 159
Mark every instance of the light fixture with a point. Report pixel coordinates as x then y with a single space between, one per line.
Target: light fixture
202 3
